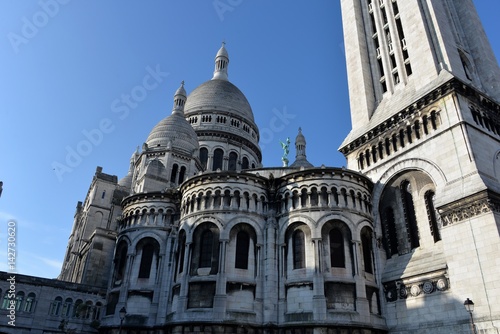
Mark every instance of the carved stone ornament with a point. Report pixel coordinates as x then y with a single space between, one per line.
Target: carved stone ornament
483 202
428 287
441 284
395 290
415 290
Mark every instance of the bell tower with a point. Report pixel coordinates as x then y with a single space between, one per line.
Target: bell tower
424 90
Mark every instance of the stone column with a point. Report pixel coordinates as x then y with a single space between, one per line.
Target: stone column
319 299
220 287
210 161
270 274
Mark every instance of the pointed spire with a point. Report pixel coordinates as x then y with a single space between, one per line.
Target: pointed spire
221 63
300 151
179 99
300 145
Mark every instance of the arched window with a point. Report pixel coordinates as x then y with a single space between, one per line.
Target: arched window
55 306
19 300
242 247
366 245
431 215
205 250
218 157
66 311
173 175
148 252
244 163
299 249
6 301
86 310
203 157
233 160
120 262
182 174
337 254
206 247
29 304
78 308
409 212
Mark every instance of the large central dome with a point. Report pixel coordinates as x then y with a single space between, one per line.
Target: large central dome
220 113
219 95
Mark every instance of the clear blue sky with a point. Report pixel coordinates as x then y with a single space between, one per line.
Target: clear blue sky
65 67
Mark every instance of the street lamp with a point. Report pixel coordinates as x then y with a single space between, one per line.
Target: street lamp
122 313
469 306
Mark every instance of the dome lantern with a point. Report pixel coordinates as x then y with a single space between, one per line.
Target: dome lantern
180 99
221 64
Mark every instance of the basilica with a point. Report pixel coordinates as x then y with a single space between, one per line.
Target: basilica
200 237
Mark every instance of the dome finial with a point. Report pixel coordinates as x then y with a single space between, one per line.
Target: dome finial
300 151
221 63
179 99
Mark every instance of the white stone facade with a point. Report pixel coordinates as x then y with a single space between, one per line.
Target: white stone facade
199 237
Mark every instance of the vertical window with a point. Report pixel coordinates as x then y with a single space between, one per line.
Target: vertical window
96 313
218 158
120 262
431 215
103 194
337 253
19 300
233 160
29 304
182 250
6 301
182 174
299 250
148 251
244 163
391 239
366 245
409 212
77 309
242 248
66 311
204 157
206 249
55 306
173 175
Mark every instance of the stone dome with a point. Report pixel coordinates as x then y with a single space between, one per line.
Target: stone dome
174 131
219 95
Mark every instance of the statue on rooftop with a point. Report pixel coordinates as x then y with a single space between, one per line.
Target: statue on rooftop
286 149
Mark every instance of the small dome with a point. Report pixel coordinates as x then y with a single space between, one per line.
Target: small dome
220 95
222 52
180 91
126 181
174 131
300 152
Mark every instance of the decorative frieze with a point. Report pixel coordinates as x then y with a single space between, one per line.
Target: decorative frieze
402 289
477 204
